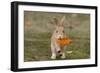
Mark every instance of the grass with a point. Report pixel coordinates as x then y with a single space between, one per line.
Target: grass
37 36
38 49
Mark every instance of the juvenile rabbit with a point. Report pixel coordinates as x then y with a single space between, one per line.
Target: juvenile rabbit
58 33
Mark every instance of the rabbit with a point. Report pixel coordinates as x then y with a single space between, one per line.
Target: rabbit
58 33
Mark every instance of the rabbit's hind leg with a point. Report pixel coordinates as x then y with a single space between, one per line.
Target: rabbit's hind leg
63 53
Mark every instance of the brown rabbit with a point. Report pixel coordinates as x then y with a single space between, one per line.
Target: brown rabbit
58 33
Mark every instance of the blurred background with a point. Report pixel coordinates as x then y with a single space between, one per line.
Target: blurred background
38 31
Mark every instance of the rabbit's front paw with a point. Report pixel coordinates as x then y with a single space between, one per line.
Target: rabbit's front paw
53 57
63 56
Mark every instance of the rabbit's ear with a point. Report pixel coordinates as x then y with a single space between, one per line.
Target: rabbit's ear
62 21
54 21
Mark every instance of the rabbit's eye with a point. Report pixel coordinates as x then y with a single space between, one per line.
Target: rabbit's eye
63 31
56 31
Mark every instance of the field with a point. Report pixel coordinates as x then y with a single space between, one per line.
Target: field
38 31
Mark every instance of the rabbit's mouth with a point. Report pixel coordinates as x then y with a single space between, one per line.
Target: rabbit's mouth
60 38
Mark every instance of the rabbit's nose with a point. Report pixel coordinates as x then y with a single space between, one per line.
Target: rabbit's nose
59 37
